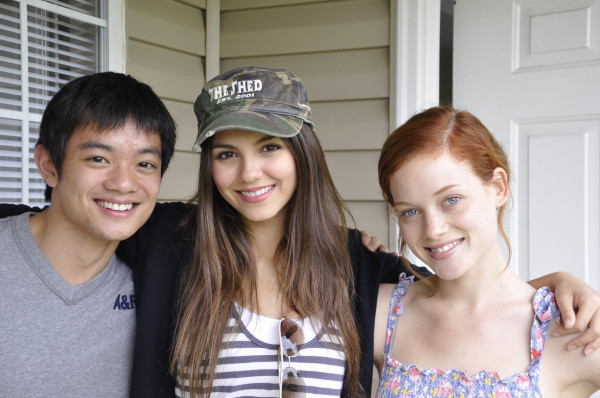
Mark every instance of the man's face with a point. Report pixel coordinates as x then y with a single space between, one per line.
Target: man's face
109 184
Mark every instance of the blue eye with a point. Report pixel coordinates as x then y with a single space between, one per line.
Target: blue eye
453 200
409 213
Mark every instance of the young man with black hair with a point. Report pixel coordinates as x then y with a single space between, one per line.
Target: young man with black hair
67 303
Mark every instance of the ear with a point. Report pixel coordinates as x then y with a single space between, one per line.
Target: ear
46 166
500 186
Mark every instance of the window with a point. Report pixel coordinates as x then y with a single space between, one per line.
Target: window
43 45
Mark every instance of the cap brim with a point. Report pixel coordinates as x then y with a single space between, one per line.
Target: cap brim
273 124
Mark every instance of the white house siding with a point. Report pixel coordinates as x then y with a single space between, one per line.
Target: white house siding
166 49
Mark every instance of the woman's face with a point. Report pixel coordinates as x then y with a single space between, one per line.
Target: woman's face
446 215
255 173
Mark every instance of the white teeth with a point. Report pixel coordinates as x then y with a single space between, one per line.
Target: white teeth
116 206
257 193
445 247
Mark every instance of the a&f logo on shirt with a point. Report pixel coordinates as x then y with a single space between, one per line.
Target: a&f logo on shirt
124 302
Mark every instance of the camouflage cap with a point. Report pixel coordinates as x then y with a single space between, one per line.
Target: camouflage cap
255 98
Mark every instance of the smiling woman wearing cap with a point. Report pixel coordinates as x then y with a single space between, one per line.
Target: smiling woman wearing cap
273 256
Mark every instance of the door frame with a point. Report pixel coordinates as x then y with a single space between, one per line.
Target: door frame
414 66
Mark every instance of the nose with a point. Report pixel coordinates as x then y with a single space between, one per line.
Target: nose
251 169
435 226
121 179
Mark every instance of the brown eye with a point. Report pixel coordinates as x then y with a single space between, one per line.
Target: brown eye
271 148
225 155
146 165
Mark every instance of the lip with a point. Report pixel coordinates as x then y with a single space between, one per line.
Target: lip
444 250
256 194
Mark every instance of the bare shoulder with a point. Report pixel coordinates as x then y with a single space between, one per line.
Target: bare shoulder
568 373
383 305
381 316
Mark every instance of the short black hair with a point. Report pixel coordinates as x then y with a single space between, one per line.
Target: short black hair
104 101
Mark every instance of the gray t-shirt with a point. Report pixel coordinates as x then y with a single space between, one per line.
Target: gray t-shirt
59 340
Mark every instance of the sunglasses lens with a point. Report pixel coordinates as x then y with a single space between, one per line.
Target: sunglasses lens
292 384
292 337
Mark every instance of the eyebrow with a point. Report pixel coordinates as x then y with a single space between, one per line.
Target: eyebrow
439 191
98 145
447 187
227 146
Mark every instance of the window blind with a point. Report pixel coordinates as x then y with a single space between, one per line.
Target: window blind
43 45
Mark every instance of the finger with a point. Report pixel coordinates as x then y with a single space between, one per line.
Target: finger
590 348
369 242
563 331
374 243
567 312
383 248
585 318
590 339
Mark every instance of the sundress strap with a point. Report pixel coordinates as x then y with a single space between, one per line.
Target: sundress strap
396 308
545 310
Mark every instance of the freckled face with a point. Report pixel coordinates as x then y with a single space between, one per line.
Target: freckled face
255 173
446 215
109 183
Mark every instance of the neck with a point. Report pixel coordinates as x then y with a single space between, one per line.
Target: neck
265 238
75 257
480 286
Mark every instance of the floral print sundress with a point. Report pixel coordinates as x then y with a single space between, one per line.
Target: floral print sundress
408 381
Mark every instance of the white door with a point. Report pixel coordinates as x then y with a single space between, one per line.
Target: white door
530 70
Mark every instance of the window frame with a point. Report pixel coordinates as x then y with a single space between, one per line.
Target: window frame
113 54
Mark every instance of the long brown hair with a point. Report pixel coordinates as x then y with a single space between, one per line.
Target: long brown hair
435 131
316 279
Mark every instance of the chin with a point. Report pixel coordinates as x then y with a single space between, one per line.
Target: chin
117 236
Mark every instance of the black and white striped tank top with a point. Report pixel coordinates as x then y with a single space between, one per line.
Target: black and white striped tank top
248 366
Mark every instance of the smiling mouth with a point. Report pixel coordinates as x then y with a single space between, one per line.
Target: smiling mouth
445 247
115 206
261 191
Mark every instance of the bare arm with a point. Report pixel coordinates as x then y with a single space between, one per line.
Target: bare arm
381 316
